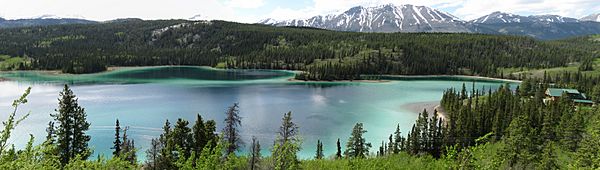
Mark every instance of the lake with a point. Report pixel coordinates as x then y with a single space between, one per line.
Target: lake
143 98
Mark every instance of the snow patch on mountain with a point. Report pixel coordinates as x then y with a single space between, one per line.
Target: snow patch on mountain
382 18
593 17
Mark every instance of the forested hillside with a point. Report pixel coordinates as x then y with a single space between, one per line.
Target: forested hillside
324 55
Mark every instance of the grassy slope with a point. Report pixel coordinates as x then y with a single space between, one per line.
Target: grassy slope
10 63
590 43
539 73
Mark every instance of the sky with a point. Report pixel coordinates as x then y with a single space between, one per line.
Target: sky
251 11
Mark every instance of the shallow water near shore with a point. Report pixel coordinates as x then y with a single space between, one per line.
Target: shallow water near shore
143 98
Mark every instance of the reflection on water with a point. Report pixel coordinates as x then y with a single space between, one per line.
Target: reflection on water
173 74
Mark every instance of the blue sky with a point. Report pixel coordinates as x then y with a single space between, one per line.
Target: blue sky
250 11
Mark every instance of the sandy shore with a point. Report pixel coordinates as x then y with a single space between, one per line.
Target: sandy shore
454 76
430 106
347 81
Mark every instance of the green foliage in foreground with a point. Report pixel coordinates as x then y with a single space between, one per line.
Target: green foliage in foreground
396 161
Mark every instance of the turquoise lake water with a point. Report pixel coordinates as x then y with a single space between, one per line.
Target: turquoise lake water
143 98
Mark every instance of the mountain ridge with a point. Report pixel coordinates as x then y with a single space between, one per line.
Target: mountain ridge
411 18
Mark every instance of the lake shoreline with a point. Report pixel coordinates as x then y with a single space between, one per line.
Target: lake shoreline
455 76
338 81
116 68
418 107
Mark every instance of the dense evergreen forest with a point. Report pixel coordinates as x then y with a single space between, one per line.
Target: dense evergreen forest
504 128
322 54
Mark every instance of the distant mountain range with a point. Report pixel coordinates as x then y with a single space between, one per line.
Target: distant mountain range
403 18
42 21
411 18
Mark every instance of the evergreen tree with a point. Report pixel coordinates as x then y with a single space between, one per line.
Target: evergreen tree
548 160
338 154
287 144
199 135
51 133
518 148
128 151
182 138
117 142
398 140
166 158
210 129
231 131
72 124
319 154
357 147
433 145
391 145
255 156
571 125
588 154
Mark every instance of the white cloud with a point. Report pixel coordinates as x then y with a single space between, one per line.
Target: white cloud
472 9
246 4
112 9
241 10
464 9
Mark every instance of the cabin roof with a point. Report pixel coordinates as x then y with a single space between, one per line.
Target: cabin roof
556 92
583 101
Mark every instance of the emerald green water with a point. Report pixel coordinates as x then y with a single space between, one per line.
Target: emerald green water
143 98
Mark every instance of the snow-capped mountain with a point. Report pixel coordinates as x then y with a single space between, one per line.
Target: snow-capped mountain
383 18
50 16
410 18
593 17
502 17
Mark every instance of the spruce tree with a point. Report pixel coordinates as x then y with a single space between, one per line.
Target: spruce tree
51 133
72 124
231 130
338 154
255 156
287 144
391 146
518 148
166 158
397 140
182 138
357 147
319 154
117 142
210 128
128 151
199 135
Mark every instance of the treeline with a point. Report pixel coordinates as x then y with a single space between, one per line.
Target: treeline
324 55
531 129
